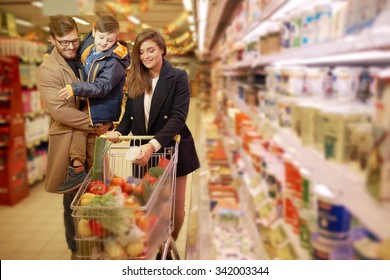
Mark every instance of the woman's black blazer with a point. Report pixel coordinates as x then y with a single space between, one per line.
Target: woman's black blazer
168 114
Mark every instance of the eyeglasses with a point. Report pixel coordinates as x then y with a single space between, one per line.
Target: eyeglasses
65 43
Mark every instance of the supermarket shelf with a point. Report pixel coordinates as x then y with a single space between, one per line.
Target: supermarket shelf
36 179
5 98
368 47
302 253
245 196
244 64
273 7
34 114
246 202
4 121
36 141
206 242
266 14
204 234
204 217
292 237
333 52
251 226
346 183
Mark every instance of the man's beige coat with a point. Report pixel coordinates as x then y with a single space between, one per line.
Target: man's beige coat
52 75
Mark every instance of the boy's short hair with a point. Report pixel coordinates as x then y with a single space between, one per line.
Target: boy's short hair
107 24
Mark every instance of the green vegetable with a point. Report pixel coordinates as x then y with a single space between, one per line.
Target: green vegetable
103 200
156 171
101 148
147 190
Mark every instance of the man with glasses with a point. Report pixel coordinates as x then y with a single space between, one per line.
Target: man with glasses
59 68
66 43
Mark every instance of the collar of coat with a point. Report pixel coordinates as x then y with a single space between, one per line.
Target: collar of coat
56 58
117 49
161 92
166 70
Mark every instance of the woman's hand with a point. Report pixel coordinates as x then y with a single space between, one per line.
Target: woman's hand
64 94
146 152
113 136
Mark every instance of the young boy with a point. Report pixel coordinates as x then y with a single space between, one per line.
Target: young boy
105 62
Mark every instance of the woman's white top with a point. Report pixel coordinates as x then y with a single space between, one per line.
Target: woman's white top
148 102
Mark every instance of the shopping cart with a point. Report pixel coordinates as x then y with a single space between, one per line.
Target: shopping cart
119 226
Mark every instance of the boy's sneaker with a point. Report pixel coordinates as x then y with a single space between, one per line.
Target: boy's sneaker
73 181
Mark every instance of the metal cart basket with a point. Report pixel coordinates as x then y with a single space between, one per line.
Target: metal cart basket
127 226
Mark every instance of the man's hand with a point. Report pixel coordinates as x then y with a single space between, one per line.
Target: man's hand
103 128
113 136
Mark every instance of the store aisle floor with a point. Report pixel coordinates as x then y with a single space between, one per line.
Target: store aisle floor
33 229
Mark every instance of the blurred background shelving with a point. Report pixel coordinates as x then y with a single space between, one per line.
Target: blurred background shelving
293 106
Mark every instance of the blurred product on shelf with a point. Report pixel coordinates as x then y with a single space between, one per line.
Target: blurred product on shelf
308 145
36 121
378 162
13 170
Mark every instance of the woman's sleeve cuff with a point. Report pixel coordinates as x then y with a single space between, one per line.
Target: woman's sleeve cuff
155 144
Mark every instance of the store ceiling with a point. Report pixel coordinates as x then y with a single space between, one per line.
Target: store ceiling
167 15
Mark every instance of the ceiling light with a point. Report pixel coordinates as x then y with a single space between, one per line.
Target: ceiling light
191 19
203 6
187 5
81 21
192 28
37 4
134 20
23 22
45 28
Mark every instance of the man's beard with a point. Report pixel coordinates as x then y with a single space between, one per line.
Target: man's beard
67 54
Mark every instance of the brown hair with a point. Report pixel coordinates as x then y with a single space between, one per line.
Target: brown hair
61 25
140 80
107 24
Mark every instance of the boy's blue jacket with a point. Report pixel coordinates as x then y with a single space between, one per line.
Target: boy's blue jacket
105 82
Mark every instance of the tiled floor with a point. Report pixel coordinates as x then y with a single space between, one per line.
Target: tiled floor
33 229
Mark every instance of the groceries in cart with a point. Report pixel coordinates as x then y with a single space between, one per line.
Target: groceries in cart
124 210
115 214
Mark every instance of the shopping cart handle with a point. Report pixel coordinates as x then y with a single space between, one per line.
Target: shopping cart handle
139 137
